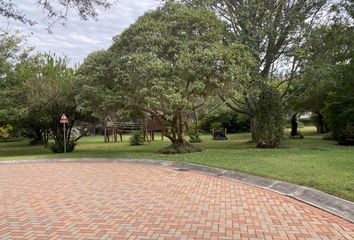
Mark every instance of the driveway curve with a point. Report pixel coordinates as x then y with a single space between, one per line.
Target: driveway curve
142 201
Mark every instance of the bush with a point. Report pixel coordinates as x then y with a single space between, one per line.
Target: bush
180 149
58 147
226 119
269 118
136 138
346 138
216 125
339 109
5 132
193 132
328 136
195 139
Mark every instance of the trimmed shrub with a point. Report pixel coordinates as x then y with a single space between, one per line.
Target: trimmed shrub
269 118
136 138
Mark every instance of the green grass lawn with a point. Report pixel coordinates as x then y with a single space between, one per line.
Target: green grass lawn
311 162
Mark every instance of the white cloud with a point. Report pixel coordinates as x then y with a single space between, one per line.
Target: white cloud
79 38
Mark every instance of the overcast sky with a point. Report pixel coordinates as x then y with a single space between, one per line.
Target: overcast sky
79 38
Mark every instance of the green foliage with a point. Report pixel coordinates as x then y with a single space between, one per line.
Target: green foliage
273 32
172 59
5 132
136 138
11 53
328 136
58 147
232 121
329 71
99 94
325 87
339 110
195 139
215 126
269 119
193 131
325 48
180 149
44 91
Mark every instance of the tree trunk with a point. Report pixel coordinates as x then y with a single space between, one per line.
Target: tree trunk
46 137
176 133
180 129
254 131
106 137
196 126
176 136
321 126
294 126
115 129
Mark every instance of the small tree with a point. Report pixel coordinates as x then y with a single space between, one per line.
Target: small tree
48 91
269 126
136 138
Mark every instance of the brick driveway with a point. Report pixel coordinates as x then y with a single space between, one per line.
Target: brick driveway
138 201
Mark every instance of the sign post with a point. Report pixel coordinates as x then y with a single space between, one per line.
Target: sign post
64 120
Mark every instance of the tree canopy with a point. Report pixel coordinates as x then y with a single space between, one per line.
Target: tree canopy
99 94
43 91
173 58
11 52
273 32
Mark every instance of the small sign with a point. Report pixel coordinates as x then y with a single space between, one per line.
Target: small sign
64 119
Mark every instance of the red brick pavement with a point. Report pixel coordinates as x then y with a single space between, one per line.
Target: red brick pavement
137 201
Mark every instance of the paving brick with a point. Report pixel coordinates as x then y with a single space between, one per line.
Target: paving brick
138 201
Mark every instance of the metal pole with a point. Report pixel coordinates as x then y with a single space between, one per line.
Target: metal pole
64 139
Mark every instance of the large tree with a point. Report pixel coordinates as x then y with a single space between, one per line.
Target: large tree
173 58
273 31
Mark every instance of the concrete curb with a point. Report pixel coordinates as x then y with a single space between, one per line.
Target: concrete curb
321 200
